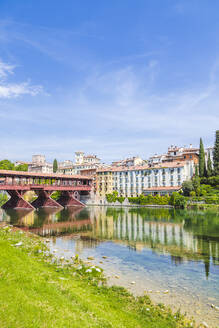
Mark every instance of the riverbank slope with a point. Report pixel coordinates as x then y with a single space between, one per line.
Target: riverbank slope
34 292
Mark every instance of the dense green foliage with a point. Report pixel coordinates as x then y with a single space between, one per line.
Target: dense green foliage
187 188
55 165
176 199
56 194
34 292
216 154
8 165
112 198
202 167
150 200
205 190
212 181
3 198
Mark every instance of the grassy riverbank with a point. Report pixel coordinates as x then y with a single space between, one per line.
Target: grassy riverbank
35 292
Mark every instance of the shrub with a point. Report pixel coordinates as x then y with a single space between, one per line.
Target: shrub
111 198
121 199
187 187
178 200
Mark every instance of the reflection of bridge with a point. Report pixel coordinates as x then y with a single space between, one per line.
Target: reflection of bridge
57 228
16 183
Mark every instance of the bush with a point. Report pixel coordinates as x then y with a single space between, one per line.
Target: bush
3 198
178 200
112 198
187 187
150 200
121 199
192 194
212 181
214 199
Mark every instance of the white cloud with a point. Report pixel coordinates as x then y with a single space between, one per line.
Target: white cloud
16 90
5 69
13 90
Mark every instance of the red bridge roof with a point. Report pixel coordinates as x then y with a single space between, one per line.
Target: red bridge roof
42 175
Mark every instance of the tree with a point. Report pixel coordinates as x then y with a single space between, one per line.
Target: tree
6 165
187 187
196 184
112 198
209 166
55 165
196 170
216 154
202 167
21 167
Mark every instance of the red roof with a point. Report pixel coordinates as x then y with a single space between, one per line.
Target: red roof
174 164
42 175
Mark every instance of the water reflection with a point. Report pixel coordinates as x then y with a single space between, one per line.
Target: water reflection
185 235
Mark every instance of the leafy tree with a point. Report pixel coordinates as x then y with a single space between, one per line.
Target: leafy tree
112 198
178 200
187 187
216 154
6 165
55 165
201 159
196 184
121 199
21 167
209 166
3 198
56 195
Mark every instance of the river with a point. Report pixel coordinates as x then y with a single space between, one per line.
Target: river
173 255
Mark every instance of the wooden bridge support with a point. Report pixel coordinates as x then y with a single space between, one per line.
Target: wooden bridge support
68 199
16 201
44 200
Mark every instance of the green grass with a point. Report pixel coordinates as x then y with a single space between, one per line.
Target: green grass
33 295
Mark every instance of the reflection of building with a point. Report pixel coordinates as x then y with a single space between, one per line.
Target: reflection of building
131 228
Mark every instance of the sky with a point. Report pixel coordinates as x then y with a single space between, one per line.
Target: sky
115 78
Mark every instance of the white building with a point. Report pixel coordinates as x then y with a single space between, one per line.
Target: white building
133 161
40 165
133 181
82 162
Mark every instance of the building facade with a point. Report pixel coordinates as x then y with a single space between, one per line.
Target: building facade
40 165
82 163
134 181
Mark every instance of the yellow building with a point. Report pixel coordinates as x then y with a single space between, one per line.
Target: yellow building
104 182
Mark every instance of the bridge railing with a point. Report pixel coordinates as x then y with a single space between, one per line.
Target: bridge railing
54 183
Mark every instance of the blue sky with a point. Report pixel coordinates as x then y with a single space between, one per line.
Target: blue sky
116 78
